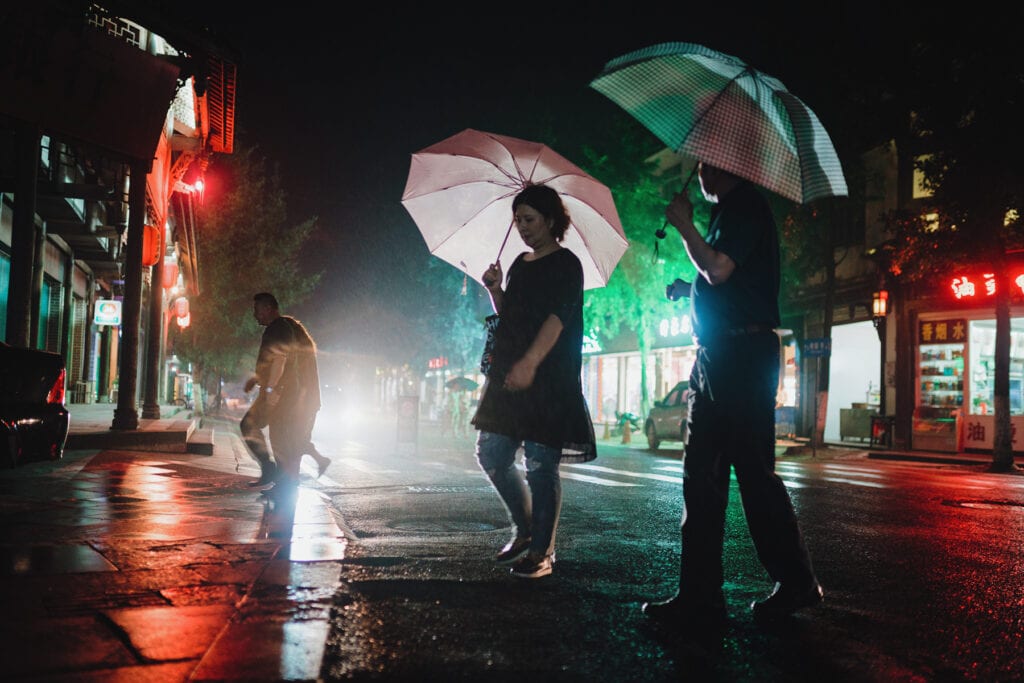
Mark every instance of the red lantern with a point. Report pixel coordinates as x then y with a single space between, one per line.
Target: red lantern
181 307
170 273
150 245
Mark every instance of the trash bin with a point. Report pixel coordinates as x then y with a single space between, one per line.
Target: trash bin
881 431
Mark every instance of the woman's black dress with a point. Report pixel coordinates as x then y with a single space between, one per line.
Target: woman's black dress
552 411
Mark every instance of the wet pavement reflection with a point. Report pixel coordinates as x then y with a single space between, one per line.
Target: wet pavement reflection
162 568
305 527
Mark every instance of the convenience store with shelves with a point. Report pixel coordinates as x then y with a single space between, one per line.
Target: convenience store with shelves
955 373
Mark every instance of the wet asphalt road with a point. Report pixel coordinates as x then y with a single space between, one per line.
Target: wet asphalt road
921 565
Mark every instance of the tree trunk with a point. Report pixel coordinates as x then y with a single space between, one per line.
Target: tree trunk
823 367
1002 440
644 343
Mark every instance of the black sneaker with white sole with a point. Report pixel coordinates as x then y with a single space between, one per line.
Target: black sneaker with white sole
513 550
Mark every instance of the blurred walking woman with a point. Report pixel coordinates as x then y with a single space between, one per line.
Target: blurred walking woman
533 396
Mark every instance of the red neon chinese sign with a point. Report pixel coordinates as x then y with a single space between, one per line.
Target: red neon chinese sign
972 287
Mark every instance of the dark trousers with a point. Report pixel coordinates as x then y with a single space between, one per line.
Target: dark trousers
732 426
251 427
291 429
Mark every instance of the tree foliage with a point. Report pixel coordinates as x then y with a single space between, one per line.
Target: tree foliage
244 245
450 319
634 298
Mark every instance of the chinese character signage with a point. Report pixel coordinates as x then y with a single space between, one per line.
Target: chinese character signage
942 331
979 431
107 312
820 347
674 327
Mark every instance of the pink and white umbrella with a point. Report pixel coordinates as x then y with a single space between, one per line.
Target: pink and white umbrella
460 191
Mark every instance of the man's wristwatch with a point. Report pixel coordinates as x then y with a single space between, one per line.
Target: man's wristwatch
269 390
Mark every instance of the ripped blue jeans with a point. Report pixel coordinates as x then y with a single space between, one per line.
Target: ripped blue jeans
534 512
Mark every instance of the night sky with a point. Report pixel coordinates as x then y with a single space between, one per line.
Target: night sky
342 100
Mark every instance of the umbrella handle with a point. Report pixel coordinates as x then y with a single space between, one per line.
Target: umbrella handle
660 232
505 241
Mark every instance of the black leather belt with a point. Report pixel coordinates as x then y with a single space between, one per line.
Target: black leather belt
746 329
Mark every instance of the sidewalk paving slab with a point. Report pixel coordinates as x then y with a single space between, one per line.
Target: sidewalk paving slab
124 561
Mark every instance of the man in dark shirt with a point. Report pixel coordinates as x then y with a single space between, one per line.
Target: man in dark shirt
731 424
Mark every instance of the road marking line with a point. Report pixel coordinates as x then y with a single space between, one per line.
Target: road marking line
595 480
624 473
581 477
852 470
363 466
855 482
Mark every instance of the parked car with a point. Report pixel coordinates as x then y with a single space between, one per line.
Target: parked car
33 419
667 419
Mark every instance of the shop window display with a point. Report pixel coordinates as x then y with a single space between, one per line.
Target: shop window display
938 417
982 336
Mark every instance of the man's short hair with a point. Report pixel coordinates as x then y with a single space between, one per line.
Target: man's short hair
266 298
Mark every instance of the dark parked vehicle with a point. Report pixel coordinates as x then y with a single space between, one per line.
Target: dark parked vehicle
33 419
667 419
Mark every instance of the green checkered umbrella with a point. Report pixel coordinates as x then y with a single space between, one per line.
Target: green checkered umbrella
717 109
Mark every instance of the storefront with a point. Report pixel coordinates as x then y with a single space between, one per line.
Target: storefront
955 379
953 351
854 385
612 373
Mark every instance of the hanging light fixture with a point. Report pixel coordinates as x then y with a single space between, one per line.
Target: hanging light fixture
880 304
181 307
879 309
170 274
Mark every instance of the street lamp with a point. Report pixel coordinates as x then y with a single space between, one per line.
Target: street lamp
879 304
879 309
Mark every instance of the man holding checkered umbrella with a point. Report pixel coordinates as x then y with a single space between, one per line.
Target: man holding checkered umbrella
743 128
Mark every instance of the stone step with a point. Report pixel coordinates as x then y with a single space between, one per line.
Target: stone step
201 441
161 436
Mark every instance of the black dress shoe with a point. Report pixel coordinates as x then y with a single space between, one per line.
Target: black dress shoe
267 476
786 600
680 613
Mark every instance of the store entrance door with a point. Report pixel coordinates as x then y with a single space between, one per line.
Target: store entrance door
853 383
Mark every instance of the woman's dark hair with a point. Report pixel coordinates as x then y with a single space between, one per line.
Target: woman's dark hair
547 203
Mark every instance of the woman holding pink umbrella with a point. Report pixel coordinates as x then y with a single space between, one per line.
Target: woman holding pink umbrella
533 395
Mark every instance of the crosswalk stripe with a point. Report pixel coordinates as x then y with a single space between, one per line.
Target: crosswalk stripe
624 473
363 466
582 477
595 480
